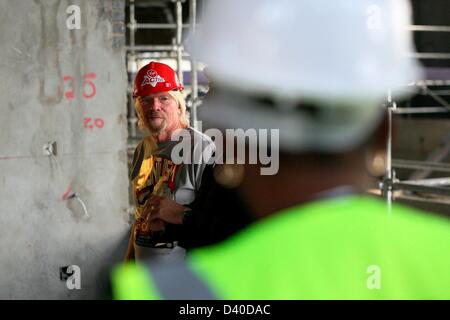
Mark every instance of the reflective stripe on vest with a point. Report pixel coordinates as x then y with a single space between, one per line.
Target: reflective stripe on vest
179 282
134 281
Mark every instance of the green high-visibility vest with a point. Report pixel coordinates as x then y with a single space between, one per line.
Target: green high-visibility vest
341 248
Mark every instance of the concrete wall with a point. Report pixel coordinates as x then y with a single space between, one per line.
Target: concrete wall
41 63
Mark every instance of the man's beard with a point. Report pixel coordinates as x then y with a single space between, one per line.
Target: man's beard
156 129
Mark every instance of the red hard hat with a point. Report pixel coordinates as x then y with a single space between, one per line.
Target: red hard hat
155 77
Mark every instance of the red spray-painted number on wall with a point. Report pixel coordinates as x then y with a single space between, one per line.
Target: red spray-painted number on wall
69 94
88 83
91 123
88 86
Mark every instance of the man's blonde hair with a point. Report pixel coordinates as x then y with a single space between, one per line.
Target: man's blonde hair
178 96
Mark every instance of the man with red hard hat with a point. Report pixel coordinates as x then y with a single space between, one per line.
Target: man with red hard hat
162 187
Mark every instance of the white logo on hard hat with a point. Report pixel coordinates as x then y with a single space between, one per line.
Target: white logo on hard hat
152 78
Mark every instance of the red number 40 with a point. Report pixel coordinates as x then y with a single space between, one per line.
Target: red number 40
90 123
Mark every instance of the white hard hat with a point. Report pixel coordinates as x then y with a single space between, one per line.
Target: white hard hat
337 52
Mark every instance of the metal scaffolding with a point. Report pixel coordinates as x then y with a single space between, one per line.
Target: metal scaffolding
419 182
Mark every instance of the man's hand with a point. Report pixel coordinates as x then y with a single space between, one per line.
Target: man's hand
151 223
165 210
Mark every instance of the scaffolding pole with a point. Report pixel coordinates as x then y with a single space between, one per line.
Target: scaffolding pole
194 79
158 25
179 34
388 183
428 28
162 47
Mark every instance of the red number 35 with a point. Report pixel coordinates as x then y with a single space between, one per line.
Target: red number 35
88 86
